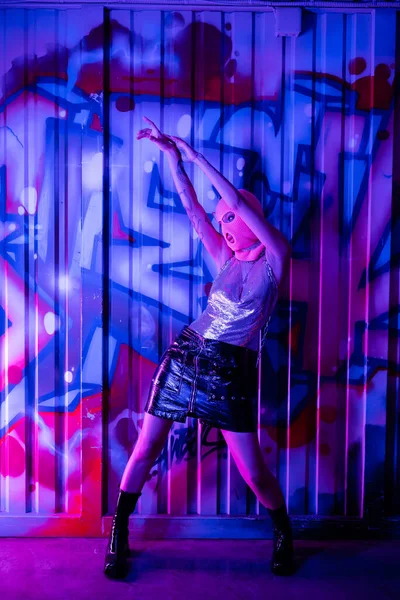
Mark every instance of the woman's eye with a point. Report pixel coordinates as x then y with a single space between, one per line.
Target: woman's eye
228 217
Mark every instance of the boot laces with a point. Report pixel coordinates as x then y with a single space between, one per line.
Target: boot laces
282 540
117 533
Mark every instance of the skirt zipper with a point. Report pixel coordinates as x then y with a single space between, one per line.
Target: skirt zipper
196 363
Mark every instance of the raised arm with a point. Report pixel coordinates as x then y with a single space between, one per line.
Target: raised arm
269 236
212 240
273 240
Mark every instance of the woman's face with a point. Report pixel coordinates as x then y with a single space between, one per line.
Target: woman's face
234 230
228 217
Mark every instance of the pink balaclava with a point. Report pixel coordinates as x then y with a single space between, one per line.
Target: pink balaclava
237 235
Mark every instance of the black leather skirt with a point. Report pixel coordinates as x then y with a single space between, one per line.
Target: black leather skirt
209 380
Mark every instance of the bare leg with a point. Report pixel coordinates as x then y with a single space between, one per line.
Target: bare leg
148 447
246 452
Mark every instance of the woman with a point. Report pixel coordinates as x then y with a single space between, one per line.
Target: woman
210 371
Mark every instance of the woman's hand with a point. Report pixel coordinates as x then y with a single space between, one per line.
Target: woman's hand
154 135
187 152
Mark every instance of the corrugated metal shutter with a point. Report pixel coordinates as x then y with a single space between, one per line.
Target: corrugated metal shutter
100 268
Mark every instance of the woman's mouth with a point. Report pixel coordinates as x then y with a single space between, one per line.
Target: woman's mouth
229 238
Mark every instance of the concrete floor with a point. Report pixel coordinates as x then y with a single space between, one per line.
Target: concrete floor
71 568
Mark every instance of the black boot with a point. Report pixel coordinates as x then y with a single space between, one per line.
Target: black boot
116 564
282 556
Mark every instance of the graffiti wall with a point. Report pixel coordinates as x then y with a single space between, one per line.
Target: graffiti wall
100 268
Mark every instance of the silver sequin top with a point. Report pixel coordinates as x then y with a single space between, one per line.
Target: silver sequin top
240 303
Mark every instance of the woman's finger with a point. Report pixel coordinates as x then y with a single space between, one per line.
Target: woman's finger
148 120
153 125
